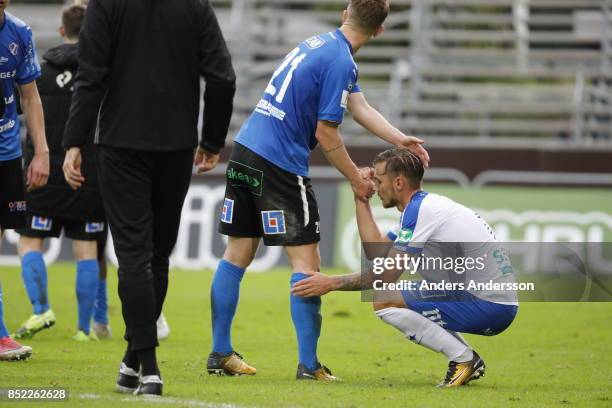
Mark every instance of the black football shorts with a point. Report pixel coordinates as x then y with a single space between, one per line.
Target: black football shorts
263 200
44 227
12 195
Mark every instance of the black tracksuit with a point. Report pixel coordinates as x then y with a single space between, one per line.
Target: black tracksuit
57 199
140 64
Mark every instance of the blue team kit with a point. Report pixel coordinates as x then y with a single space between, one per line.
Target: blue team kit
18 65
283 126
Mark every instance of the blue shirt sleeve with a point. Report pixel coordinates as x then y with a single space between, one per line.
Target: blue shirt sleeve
337 83
408 222
29 67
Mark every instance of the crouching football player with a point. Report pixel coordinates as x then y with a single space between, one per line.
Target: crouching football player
431 318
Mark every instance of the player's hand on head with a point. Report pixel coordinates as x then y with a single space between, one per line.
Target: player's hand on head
415 145
205 160
317 284
38 172
72 168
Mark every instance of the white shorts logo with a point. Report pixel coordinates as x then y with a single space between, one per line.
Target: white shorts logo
94 227
41 223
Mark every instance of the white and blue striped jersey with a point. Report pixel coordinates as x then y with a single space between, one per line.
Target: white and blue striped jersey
434 226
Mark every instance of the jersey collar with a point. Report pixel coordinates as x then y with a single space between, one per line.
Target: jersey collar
341 35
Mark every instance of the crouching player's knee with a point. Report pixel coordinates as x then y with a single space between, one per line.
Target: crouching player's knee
380 305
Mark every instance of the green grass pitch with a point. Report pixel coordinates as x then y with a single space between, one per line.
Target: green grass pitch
553 355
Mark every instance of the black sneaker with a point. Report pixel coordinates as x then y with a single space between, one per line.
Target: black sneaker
127 380
322 373
150 386
228 364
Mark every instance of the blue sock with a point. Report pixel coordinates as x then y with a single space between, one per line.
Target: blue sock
101 305
3 331
88 272
306 316
224 295
34 273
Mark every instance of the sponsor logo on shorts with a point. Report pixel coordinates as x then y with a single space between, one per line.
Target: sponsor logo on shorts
241 175
94 227
227 213
234 175
434 315
17 206
273 222
42 223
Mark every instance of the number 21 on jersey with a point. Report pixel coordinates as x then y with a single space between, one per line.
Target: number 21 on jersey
292 60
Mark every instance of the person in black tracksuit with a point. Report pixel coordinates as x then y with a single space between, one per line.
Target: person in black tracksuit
140 64
57 207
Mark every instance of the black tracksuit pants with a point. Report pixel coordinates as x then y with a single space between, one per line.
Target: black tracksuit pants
143 194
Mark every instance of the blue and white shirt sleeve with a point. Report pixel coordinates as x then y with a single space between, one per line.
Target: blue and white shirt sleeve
28 69
338 81
417 225
394 232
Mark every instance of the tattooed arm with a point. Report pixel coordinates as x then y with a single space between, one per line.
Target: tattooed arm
319 284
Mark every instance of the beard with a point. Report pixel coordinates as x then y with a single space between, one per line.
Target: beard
389 203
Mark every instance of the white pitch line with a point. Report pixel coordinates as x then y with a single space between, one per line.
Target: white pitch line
160 400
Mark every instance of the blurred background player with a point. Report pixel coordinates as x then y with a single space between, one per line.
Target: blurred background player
56 207
268 191
19 67
140 67
9 348
432 319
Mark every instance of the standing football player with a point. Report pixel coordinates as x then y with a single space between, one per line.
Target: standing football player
430 318
18 66
58 207
268 191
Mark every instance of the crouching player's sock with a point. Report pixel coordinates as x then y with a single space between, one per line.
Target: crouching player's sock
3 331
34 273
86 289
100 314
306 316
224 295
423 331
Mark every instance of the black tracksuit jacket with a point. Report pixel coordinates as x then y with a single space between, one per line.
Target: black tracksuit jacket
57 199
140 65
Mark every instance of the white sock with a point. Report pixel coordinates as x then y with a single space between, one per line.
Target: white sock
423 331
124 369
459 337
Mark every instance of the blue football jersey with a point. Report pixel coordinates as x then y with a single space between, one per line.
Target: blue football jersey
312 83
18 65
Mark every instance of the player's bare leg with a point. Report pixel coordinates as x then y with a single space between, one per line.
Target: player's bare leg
34 274
225 290
465 364
306 314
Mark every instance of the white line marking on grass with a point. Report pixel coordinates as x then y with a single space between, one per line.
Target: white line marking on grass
160 400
